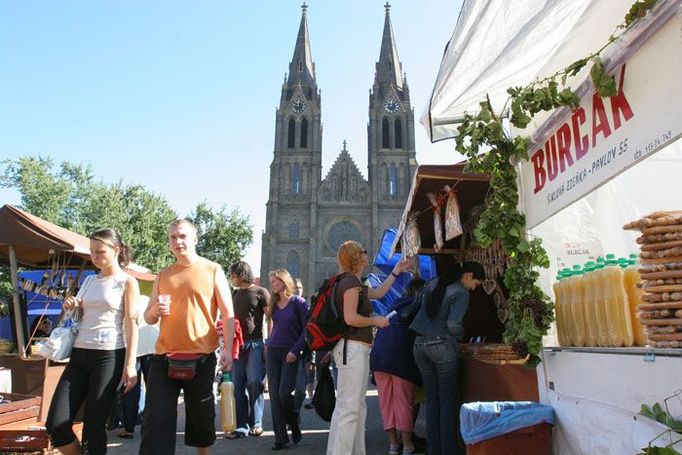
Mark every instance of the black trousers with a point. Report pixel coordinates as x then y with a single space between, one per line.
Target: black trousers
281 381
90 379
160 418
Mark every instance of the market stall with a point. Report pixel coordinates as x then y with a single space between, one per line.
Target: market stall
590 170
441 213
64 258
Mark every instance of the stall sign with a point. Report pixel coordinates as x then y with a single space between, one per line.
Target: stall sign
606 136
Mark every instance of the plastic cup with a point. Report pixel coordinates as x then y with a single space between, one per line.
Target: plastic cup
165 301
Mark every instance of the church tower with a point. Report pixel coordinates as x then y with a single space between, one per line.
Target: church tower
390 135
295 171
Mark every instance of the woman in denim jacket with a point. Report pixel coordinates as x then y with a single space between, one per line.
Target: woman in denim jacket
438 324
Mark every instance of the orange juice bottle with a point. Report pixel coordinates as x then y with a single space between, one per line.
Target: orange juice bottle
617 306
598 297
558 310
632 278
577 308
588 305
566 297
228 410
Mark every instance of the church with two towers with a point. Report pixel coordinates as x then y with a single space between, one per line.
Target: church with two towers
309 215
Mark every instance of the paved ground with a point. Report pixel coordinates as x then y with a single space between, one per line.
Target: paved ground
314 441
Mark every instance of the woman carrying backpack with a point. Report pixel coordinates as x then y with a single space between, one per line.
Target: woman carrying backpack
288 313
438 324
351 354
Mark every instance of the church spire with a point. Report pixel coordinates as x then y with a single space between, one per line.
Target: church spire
302 68
389 68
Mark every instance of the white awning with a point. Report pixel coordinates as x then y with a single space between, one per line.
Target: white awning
497 45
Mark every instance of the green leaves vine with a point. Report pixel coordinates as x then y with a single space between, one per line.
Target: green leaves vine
531 311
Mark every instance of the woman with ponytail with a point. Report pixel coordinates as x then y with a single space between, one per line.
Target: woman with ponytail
101 360
438 324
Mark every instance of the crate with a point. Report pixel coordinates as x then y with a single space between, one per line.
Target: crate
15 407
533 440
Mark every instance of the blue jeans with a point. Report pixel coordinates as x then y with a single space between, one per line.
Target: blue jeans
437 362
131 400
281 383
248 375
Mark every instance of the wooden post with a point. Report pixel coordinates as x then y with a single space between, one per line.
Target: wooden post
18 318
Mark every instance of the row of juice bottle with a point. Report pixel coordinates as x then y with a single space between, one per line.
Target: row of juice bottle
596 304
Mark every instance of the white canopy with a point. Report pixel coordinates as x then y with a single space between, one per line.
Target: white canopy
498 44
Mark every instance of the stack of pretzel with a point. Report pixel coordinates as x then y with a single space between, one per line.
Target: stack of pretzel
661 272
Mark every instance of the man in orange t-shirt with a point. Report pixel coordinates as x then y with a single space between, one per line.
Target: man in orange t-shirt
186 297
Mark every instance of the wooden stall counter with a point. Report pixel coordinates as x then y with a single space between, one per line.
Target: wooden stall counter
494 372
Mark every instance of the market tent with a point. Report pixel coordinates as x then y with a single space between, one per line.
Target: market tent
497 45
471 190
36 241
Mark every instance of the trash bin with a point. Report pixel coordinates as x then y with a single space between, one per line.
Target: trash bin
507 427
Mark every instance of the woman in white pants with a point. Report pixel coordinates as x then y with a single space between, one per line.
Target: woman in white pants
351 354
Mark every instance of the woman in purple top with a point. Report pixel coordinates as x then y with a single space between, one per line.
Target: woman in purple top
288 314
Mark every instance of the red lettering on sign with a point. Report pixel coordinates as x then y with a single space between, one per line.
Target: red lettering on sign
600 123
619 103
552 161
538 169
582 144
563 139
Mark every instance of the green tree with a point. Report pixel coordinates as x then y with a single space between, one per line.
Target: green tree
223 234
70 196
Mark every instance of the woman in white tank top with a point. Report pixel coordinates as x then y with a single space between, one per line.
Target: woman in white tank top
101 359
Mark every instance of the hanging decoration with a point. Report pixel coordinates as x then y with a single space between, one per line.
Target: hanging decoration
411 239
453 225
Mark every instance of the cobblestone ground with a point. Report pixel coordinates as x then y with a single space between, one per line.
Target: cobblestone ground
314 429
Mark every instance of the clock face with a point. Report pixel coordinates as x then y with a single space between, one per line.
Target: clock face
299 106
392 106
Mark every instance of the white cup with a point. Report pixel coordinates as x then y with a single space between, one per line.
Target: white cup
165 301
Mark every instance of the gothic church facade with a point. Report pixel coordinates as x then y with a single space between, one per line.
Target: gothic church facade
309 215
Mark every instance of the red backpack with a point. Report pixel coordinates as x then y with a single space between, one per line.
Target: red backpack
326 325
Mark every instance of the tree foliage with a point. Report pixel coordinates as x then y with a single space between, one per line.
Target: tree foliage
223 234
70 195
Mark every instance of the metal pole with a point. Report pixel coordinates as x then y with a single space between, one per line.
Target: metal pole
18 319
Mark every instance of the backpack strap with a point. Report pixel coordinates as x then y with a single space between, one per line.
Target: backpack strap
345 350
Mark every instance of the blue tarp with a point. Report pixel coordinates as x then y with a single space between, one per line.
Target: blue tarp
382 261
481 421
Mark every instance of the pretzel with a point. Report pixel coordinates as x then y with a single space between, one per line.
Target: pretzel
661 245
662 229
665 337
657 306
664 253
654 238
665 344
661 260
669 321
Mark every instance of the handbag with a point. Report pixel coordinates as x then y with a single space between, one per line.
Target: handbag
324 398
60 343
183 367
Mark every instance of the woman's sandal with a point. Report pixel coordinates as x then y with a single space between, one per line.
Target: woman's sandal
235 435
257 431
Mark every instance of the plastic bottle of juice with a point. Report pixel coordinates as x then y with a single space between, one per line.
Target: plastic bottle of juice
588 304
566 296
632 278
577 308
228 410
598 297
558 310
617 306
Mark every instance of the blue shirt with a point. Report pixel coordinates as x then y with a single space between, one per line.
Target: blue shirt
288 325
448 321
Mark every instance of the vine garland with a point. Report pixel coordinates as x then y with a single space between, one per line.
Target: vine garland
531 311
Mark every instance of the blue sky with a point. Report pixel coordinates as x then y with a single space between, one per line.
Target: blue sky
181 96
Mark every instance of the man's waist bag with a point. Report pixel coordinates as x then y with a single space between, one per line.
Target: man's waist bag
183 367
326 325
